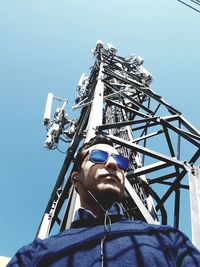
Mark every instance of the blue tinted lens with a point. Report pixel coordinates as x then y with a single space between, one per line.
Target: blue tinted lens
122 162
98 156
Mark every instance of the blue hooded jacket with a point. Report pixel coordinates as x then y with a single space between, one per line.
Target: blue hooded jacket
116 241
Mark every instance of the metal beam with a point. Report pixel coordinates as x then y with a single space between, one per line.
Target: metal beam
127 108
147 151
96 115
180 132
189 126
145 212
194 183
179 178
125 123
147 169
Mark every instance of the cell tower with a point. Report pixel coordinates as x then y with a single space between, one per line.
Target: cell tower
162 146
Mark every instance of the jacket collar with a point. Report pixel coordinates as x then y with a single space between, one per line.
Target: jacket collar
85 218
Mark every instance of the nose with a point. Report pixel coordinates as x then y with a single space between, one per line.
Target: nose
111 163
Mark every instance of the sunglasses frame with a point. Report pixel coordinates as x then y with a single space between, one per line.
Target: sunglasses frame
115 156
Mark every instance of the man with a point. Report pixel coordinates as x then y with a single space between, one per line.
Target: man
101 234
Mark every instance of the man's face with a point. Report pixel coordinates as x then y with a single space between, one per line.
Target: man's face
104 180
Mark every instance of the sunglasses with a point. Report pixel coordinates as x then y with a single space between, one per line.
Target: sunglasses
100 156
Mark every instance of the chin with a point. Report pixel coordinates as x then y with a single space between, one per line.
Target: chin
109 195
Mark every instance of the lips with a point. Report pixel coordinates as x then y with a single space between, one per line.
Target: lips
111 176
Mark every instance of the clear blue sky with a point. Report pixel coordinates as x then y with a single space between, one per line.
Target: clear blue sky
45 45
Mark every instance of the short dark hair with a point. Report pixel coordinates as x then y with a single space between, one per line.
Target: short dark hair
98 139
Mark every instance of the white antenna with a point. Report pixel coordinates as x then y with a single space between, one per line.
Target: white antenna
47 113
80 83
111 48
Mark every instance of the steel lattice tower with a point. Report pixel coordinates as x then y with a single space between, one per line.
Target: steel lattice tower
163 147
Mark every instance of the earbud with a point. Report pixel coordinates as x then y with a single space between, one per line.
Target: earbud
76 178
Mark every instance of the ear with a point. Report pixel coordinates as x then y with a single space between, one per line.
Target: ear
74 179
